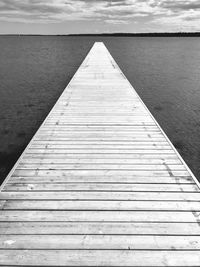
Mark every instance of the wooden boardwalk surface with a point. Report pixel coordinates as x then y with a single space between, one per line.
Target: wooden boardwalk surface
100 184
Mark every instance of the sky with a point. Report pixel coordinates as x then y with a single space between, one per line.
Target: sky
97 16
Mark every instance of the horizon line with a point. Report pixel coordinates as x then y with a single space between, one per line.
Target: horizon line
103 33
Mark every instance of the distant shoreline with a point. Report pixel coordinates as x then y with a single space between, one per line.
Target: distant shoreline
153 34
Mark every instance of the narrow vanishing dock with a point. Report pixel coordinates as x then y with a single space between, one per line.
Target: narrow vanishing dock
100 184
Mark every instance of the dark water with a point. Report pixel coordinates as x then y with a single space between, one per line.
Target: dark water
35 70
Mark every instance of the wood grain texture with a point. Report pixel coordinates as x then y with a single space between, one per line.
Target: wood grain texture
100 184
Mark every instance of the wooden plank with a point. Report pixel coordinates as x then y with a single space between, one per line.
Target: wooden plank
107 128
88 195
97 137
98 242
92 160
105 133
101 167
101 179
100 228
154 173
103 187
99 258
129 147
104 151
120 156
98 144
114 122
100 205
100 216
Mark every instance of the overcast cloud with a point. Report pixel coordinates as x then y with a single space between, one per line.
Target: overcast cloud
128 15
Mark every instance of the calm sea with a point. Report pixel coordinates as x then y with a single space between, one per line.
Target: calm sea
35 70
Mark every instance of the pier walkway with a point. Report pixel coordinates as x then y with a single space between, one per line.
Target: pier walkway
100 184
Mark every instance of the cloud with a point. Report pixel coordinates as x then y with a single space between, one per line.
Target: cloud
178 15
37 10
155 12
58 10
180 5
115 21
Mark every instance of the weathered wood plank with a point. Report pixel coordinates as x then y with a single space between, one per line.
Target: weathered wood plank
62 146
59 173
103 187
101 179
104 151
99 258
99 216
100 228
100 205
142 167
98 242
120 156
88 195
92 160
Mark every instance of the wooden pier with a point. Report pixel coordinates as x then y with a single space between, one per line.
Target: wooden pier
100 184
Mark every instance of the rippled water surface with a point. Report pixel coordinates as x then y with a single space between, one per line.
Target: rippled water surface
34 70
